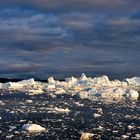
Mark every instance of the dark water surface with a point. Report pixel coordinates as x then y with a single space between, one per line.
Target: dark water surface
119 119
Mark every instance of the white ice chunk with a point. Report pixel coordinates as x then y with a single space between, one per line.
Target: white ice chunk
33 128
133 94
51 86
86 136
34 91
96 115
134 81
71 81
29 101
27 82
60 91
51 80
104 80
17 85
83 77
59 110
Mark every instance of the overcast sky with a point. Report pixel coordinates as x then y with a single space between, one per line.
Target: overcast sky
60 38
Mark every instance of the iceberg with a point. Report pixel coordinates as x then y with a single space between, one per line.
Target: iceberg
17 85
85 87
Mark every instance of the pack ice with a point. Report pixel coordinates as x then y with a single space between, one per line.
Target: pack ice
85 87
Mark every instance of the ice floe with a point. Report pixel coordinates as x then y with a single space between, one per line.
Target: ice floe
33 128
83 86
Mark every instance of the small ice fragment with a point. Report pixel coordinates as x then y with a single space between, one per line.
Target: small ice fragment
95 115
33 128
100 128
2 103
12 112
86 136
137 136
22 121
133 94
28 101
100 110
61 110
125 136
130 126
79 104
9 136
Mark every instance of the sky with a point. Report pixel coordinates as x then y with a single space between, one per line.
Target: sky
60 38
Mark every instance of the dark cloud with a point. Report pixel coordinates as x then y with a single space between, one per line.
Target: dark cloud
55 37
76 4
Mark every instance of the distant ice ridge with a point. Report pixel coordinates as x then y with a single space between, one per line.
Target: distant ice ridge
85 87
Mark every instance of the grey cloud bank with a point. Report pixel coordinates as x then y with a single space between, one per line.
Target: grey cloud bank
61 38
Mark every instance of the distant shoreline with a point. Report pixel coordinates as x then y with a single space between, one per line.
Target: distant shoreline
5 80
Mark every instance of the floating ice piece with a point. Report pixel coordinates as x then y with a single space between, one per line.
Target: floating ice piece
96 115
51 86
131 126
17 85
137 136
133 94
79 104
90 94
9 136
86 87
5 86
103 80
71 81
125 137
2 103
34 91
60 91
100 110
29 101
27 82
100 128
113 93
1 85
134 81
33 128
59 110
86 136
51 80
83 77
